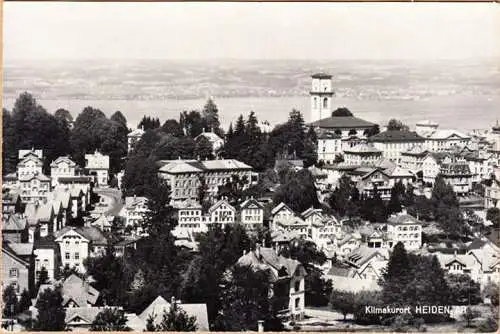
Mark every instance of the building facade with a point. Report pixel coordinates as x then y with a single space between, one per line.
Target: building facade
97 164
393 143
321 96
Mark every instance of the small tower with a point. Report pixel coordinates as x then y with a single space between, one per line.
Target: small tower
321 96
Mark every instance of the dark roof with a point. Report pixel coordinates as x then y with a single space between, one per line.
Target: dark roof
48 242
396 136
339 122
321 75
328 135
85 179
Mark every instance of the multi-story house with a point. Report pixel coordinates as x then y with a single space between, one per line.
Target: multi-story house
426 128
413 159
97 164
393 143
288 288
48 256
351 130
185 176
294 224
11 202
480 166
222 213
190 217
458 175
17 266
30 163
78 243
251 214
280 212
432 166
133 137
216 141
362 155
329 147
134 211
406 229
42 214
61 167
442 140
34 187
492 194
322 228
80 182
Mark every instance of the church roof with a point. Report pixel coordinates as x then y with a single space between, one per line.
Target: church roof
397 136
321 75
342 122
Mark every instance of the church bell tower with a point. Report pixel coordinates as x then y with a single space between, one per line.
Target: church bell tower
321 96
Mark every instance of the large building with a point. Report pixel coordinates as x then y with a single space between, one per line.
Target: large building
185 176
62 167
329 147
321 96
362 155
392 143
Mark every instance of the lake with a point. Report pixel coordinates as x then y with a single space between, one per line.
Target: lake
459 112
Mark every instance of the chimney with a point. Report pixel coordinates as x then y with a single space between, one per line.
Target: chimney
260 326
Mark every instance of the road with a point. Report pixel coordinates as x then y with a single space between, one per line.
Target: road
113 198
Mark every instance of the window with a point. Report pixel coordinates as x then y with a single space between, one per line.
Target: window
297 303
297 286
325 102
66 256
315 102
77 256
14 272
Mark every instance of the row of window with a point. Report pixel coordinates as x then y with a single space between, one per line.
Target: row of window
67 256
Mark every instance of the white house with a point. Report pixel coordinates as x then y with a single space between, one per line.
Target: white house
222 213
134 210
279 213
97 164
78 243
133 137
406 229
393 143
61 167
47 256
216 141
190 217
492 193
329 147
252 214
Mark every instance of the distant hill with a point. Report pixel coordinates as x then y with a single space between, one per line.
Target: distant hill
160 79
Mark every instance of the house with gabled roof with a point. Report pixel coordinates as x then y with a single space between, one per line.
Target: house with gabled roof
34 187
15 228
288 278
97 164
48 256
222 213
61 167
17 266
280 212
135 210
156 309
216 141
78 243
41 214
492 193
11 202
251 214
368 263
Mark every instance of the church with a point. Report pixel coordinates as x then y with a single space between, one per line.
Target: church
335 133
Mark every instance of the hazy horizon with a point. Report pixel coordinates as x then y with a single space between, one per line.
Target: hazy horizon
250 31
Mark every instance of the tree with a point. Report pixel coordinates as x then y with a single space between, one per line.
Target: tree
341 195
463 290
299 193
109 320
192 122
172 127
243 314
310 156
175 320
119 118
492 292
489 325
110 276
149 123
24 302
86 136
342 112
43 277
396 125
210 114
9 301
397 197
51 315
342 302
64 115
493 215
397 275
203 149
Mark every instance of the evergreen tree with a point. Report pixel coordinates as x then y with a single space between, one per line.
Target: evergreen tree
51 314
24 302
172 127
119 118
397 275
109 320
10 304
210 116
175 320
299 192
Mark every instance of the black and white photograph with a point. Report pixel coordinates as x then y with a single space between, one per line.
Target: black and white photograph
250 167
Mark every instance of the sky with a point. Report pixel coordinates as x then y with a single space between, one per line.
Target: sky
72 30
